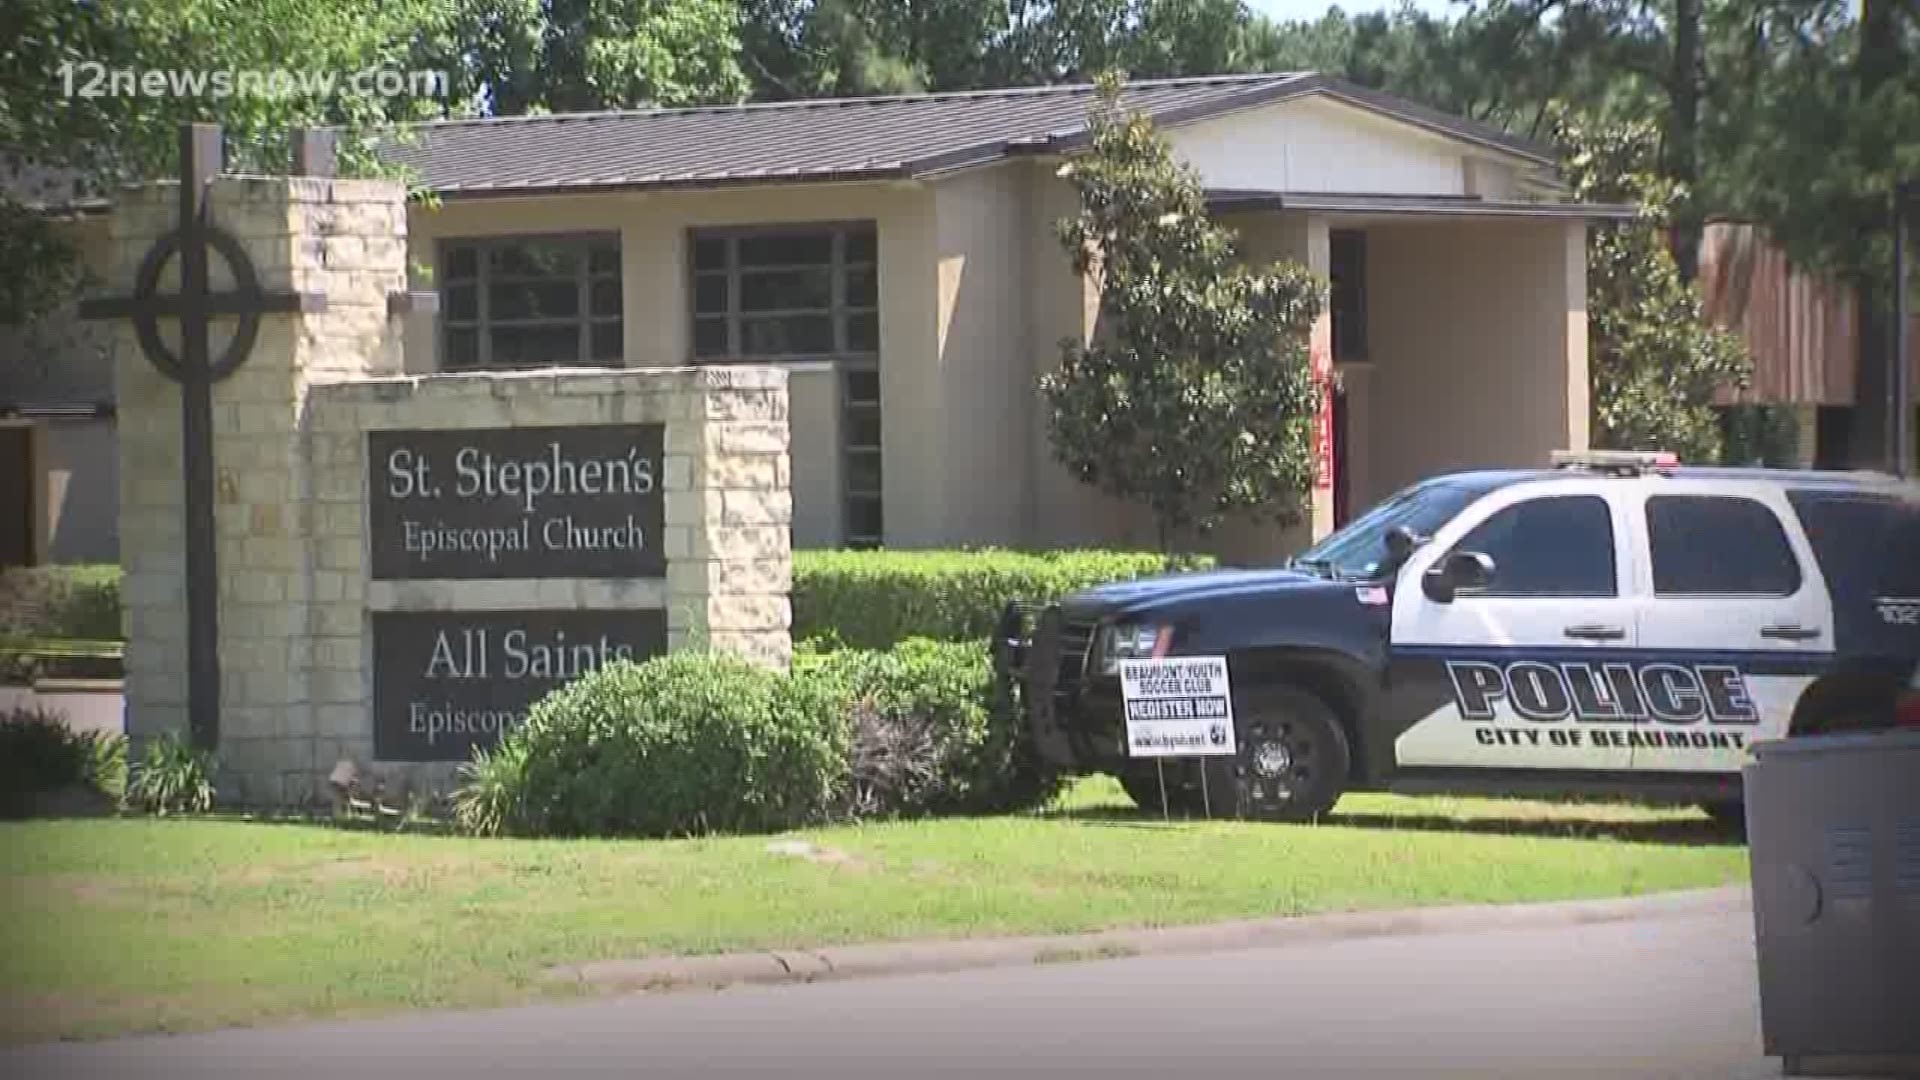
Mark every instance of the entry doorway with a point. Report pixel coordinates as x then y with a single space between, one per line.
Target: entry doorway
19 505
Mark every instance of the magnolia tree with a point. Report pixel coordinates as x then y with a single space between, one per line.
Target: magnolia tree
1197 398
1656 363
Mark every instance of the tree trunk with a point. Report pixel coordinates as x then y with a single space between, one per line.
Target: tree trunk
1683 127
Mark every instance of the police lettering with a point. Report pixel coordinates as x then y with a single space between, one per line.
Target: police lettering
1603 692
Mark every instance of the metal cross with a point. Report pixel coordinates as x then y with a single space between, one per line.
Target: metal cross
195 306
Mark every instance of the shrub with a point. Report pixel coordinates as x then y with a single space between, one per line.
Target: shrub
682 743
81 601
171 777
875 599
928 731
40 754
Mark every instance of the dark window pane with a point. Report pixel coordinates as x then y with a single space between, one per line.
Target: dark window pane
1693 555
461 301
1347 271
863 428
787 290
786 249
710 294
535 258
863 386
526 345
863 332
863 288
1556 546
864 524
1853 534
606 342
709 337
604 258
709 254
863 473
788 335
606 298
553 300
461 263
861 246
462 349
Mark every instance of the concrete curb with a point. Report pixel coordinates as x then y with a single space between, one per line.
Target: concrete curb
932 957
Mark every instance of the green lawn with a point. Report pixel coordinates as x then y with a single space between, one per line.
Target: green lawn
116 926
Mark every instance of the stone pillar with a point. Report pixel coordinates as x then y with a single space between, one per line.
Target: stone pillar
343 240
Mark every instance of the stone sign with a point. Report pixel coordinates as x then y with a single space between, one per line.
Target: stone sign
446 682
534 502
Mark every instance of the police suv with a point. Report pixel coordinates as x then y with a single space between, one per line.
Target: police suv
1615 624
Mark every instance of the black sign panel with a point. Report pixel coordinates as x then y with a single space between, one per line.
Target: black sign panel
537 502
447 681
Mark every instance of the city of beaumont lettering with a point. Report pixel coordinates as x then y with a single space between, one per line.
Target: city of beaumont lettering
517 502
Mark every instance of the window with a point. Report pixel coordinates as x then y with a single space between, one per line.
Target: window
1555 546
1693 556
803 293
860 458
1347 276
512 302
786 294
1868 545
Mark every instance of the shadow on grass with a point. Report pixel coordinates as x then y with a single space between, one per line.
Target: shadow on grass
1701 831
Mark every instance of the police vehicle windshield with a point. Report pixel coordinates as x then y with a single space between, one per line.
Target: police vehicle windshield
1359 551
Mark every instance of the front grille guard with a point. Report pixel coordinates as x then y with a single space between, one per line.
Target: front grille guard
1026 660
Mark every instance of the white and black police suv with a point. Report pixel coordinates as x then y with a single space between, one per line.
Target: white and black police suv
1615 624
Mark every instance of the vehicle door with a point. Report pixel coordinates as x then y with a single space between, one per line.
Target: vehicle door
1735 619
1499 674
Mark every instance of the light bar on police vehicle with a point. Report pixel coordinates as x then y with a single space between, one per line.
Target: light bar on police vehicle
1623 461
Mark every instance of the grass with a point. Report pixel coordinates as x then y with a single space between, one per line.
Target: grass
136 925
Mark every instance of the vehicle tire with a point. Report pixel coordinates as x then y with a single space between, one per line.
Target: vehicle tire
1727 815
1293 755
1143 787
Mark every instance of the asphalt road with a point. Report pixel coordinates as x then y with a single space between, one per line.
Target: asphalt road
1672 996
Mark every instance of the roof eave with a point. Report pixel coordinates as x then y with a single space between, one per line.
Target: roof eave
692 183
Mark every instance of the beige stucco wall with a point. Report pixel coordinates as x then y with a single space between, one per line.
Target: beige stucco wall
1478 339
653 232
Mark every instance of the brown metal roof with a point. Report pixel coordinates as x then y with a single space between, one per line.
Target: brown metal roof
1413 205
1798 326
905 136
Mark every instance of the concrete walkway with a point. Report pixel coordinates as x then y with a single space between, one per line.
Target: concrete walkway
1668 994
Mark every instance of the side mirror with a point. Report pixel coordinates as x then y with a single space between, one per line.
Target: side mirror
1460 570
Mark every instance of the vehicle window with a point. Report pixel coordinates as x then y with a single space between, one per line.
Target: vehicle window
1359 549
1868 544
1718 545
1560 545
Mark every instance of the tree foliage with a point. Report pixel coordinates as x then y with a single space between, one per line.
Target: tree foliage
1655 363
1197 398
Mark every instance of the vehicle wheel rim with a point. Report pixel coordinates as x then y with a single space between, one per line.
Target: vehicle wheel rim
1281 761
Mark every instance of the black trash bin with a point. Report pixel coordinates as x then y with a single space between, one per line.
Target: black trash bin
1833 833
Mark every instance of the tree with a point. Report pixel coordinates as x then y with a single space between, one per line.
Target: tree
521 56
1655 364
1198 398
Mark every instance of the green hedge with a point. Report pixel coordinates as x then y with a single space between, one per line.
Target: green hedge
79 601
875 599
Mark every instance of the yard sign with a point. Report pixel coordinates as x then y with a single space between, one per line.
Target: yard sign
1178 707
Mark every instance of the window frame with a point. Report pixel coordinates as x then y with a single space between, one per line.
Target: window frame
840 311
1615 573
483 325
1781 529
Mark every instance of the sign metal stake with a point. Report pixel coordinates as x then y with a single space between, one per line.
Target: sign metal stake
1160 768
1206 800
